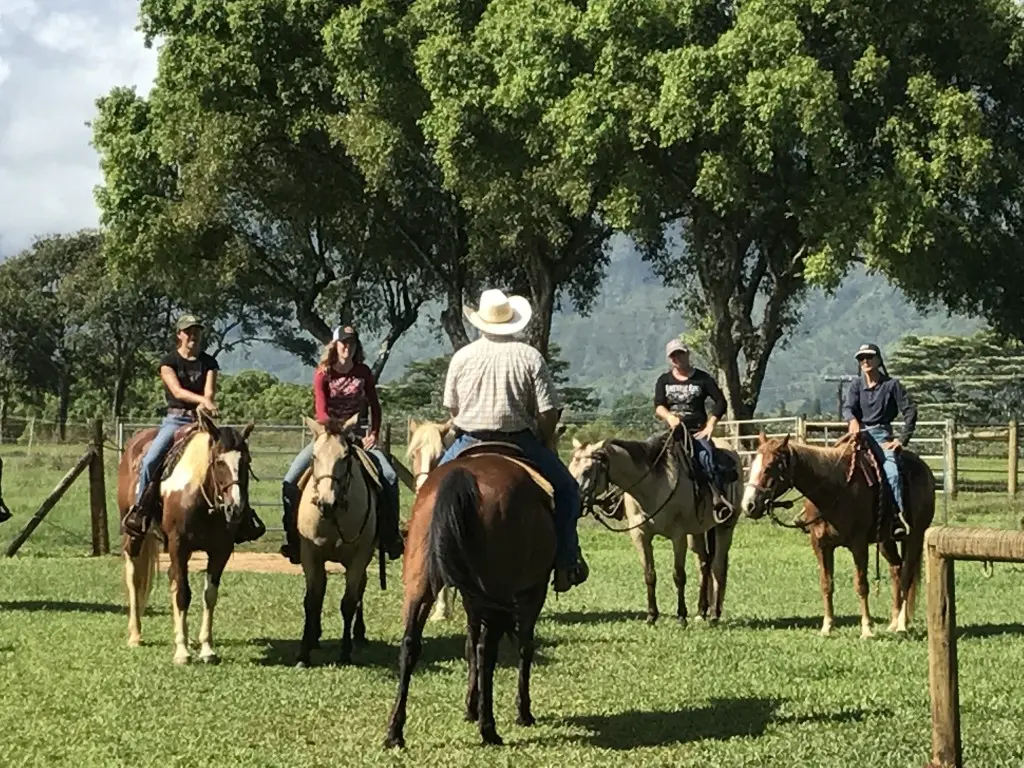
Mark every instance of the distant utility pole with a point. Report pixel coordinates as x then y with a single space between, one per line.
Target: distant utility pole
840 380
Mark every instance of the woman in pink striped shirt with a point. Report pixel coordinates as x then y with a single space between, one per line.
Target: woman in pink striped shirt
343 386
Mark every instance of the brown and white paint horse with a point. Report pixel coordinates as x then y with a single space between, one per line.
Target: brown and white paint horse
201 504
662 501
840 511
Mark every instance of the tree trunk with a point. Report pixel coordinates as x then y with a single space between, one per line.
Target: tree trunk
543 290
451 318
63 405
4 406
120 388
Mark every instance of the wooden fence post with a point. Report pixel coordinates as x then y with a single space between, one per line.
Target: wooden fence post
1011 475
801 429
950 474
942 669
98 493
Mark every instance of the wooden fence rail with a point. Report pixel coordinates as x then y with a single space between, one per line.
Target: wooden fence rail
943 546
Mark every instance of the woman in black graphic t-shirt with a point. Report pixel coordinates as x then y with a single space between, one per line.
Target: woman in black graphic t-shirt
189 376
680 398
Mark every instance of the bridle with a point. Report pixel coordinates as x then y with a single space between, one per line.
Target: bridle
217 504
342 492
781 481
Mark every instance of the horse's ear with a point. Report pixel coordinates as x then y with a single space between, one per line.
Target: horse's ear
247 430
785 441
350 424
761 438
576 444
560 429
314 426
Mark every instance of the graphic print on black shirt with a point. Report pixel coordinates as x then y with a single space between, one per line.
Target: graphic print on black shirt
686 399
191 375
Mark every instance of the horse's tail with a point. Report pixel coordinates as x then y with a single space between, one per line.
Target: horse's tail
453 541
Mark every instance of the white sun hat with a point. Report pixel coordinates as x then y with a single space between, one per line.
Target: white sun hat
499 314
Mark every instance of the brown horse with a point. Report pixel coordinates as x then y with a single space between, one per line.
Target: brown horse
201 504
843 494
479 523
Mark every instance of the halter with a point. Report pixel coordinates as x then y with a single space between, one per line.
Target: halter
217 504
341 497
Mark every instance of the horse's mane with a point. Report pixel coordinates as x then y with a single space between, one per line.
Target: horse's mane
426 437
650 452
231 439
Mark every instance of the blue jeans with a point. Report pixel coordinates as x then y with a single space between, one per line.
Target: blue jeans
882 433
567 490
704 452
157 450
304 460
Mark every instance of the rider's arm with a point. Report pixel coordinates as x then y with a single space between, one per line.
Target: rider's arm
547 421
908 409
371 396
450 399
210 385
851 405
320 396
661 404
720 406
178 392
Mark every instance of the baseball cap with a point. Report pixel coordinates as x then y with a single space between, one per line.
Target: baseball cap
676 345
867 350
344 333
188 321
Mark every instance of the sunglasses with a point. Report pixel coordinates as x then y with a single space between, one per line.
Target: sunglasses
862 358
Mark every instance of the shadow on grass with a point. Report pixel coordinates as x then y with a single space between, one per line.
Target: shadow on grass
990 630
593 617
63 606
279 652
792 622
721 720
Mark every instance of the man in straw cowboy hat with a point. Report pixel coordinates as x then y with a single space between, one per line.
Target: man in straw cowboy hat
499 388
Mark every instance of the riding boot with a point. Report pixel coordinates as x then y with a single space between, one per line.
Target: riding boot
289 521
900 526
250 527
567 578
391 536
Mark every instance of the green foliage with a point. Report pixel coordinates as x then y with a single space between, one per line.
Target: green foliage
978 379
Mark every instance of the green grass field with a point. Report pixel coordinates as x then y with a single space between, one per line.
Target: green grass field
762 689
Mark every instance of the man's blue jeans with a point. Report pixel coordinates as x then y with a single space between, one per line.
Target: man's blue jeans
157 450
567 490
879 434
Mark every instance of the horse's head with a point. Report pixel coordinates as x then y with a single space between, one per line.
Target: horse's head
771 475
227 479
428 441
332 461
588 463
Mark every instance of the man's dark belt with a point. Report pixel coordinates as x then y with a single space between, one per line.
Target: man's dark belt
489 435
182 413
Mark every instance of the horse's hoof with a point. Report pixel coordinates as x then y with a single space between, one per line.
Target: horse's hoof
490 737
713 621
359 641
181 659
866 634
652 619
302 663
826 631
394 740
134 642
892 627
681 620
210 658
526 720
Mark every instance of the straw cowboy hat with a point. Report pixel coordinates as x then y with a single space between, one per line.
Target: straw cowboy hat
499 314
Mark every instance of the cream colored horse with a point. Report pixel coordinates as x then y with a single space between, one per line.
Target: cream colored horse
337 522
428 441
663 501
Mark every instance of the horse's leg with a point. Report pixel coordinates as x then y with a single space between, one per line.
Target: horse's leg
473 679
860 563
359 631
720 568
355 581
215 565
826 554
443 606
642 541
316 587
528 609
679 549
181 597
700 550
138 577
416 612
910 576
892 556
492 628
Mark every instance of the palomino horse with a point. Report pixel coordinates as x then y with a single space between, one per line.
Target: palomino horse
843 493
662 499
337 522
201 505
483 525
427 443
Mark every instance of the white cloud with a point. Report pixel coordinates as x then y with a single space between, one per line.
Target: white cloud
56 59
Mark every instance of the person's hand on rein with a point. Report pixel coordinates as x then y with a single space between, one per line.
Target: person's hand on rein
893 445
208 407
370 440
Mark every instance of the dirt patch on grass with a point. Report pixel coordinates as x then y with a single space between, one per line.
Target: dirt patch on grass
255 562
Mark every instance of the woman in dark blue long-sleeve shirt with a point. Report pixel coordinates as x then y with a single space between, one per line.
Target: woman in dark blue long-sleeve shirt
873 402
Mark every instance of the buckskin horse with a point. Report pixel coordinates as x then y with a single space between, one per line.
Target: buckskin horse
428 441
202 497
844 491
337 522
482 524
662 499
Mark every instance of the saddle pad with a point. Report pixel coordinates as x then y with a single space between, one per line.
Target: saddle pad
177 449
530 469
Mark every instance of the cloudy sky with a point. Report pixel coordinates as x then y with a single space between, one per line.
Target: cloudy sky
56 58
